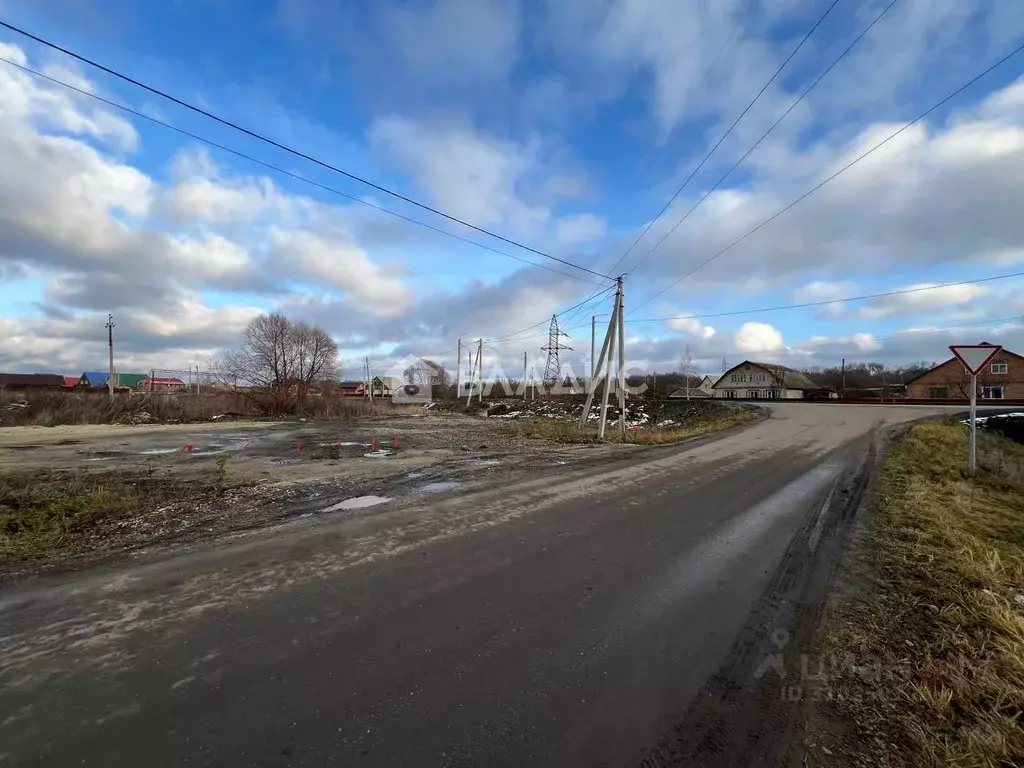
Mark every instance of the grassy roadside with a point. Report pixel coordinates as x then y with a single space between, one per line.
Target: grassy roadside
51 517
567 431
942 621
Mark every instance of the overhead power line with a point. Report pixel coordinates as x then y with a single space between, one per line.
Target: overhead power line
285 172
722 138
764 135
825 302
809 347
290 150
600 295
821 303
725 135
835 175
707 74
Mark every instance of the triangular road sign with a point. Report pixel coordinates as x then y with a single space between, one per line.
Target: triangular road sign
974 356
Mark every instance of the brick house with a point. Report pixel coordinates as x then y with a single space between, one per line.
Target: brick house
1002 378
352 388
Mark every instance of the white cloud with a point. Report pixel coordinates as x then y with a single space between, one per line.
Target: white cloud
201 192
692 327
822 290
342 265
473 176
944 297
756 338
581 228
937 195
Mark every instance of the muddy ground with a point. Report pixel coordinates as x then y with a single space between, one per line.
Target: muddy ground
204 480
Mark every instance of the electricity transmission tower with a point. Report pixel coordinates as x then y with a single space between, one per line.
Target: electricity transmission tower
553 369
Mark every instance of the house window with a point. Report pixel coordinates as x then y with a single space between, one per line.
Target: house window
993 393
733 378
999 366
938 393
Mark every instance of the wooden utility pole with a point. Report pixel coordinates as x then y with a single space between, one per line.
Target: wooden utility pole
110 354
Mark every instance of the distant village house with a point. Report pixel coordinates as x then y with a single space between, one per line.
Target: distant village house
763 381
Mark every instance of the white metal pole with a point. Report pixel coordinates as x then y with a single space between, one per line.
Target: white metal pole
458 370
622 363
524 375
608 369
971 462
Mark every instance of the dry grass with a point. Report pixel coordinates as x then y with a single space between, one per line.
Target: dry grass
947 618
47 515
570 431
50 409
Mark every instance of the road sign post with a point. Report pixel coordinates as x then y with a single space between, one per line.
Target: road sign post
974 358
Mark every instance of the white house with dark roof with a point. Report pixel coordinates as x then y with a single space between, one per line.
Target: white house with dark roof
762 381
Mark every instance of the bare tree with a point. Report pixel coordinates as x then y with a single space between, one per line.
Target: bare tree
281 356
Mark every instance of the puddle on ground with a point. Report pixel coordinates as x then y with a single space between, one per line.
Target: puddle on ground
343 444
381 454
438 487
485 462
156 451
358 502
414 475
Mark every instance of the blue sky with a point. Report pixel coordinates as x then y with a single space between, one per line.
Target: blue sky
563 125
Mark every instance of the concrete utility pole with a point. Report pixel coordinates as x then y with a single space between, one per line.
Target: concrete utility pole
605 361
842 386
198 380
525 386
622 364
480 365
688 361
110 351
458 370
593 334
477 365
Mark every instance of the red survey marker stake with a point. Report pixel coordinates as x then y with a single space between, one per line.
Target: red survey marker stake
974 358
298 448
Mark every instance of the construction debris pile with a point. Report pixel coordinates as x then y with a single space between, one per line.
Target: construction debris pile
639 413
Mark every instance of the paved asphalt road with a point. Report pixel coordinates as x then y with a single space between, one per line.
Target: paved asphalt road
607 616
